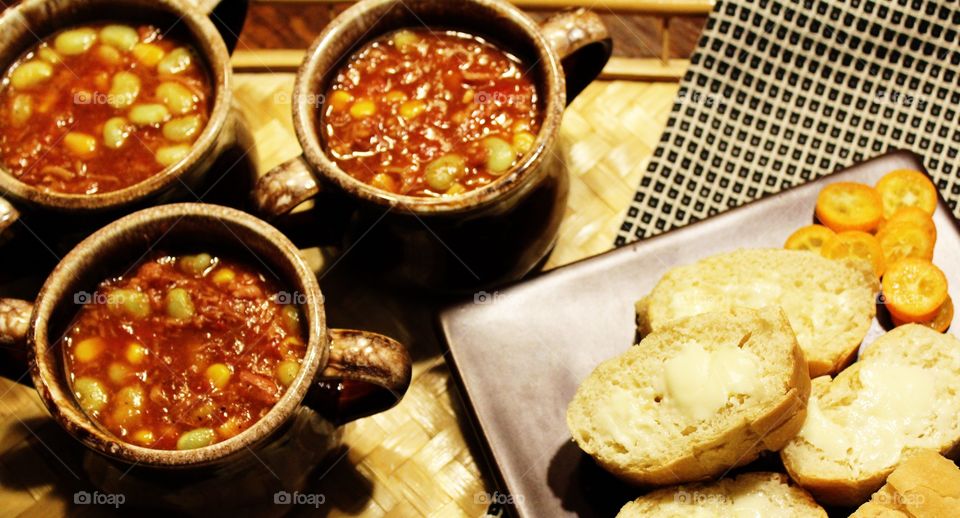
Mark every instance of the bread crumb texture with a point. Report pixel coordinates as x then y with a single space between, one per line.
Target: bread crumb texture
900 399
693 400
830 304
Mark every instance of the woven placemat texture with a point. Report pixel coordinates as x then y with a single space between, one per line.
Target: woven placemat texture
782 92
423 457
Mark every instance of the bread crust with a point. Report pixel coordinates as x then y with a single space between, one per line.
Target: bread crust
738 445
847 492
799 501
926 484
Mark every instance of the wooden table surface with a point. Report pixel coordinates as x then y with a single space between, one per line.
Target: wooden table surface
293 24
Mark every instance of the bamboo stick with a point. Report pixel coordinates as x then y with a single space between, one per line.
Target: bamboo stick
673 7
634 69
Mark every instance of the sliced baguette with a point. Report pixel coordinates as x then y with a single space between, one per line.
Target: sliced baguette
750 494
649 428
830 304
926 485
902 397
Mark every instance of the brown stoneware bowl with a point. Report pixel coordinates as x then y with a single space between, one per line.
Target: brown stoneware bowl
25 24
490 235
345 375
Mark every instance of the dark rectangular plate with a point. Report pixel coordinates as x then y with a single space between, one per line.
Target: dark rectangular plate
521 352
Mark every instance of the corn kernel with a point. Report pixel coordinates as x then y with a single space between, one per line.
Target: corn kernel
88 349
148 53
80 144
229 428
287 372
339 100
456 189
523 141
118 373
135 353
223 276
385 182
143 437
363 108
411 109
218 374
395 96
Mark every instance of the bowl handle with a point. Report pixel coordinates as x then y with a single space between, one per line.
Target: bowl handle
584 46
14 322
366 373
228 17
284 187
8 216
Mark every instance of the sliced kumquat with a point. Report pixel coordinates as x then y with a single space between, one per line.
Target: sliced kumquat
855 245
914 290
846 206
903 239
940 323
810 238
907 188
914 215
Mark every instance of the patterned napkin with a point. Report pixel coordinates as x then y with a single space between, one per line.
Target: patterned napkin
782 92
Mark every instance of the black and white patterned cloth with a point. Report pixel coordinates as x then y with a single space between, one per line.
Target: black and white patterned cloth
782 92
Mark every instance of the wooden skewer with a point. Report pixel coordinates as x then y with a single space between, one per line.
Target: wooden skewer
675 7
635 69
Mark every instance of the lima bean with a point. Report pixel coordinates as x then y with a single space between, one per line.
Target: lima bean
444 171
124 89
30 74
176 97
129 301
90 393
115 132
169 155
21 109
75 41
500 155
148 114
120 37
197 438
183 129
178 60
179 304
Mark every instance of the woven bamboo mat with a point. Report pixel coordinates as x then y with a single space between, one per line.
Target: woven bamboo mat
423 457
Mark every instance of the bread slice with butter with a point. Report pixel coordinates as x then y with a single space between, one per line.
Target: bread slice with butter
693 400
750 494
926 485
830 304
902 397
